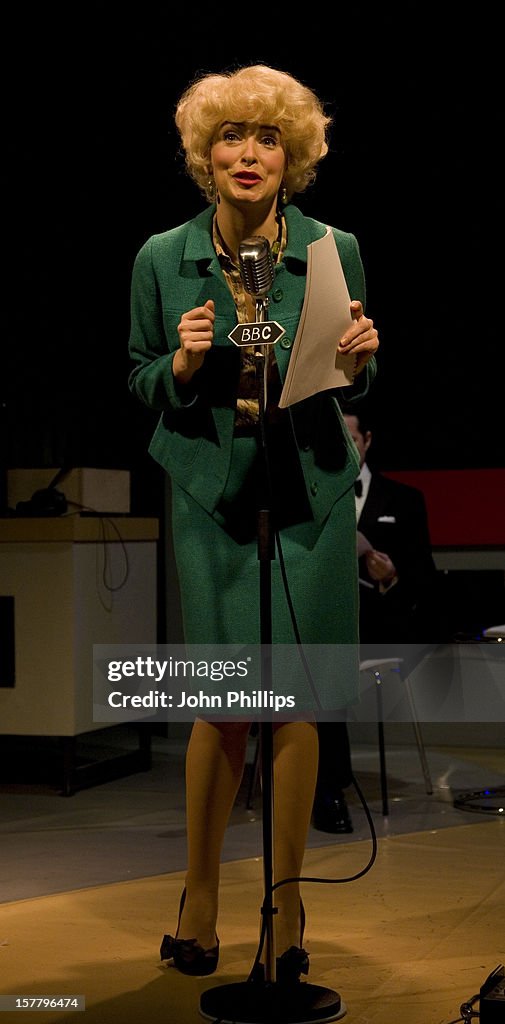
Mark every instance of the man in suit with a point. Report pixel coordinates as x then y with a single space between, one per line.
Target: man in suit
397 572
397 589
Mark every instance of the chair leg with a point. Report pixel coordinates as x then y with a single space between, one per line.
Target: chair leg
382 746
419 738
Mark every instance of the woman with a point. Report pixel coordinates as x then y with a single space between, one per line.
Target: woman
252 138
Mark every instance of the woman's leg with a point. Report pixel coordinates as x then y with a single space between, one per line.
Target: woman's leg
295 773
214 767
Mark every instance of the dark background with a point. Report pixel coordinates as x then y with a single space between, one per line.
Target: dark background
92 168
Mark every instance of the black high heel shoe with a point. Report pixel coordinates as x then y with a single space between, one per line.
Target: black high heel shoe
188 955
295 961
292 963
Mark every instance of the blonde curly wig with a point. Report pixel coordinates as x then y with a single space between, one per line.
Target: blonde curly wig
258 94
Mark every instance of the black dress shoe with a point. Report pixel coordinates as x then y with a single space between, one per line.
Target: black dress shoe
331 814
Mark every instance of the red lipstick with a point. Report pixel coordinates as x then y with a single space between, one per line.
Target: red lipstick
247 177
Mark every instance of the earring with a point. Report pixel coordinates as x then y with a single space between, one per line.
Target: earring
284 195
211 189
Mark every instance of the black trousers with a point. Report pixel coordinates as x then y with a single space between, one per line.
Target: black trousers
335 769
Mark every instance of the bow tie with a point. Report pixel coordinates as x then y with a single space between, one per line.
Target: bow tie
358 488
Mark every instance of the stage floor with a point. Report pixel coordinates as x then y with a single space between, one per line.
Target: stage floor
408 942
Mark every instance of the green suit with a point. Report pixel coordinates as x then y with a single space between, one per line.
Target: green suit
194 441
179 270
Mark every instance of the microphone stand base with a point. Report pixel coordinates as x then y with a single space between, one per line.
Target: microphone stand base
251 1002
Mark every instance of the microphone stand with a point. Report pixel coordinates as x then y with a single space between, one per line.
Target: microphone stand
266 552
265 1001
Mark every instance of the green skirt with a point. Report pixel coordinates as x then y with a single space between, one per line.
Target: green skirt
219 574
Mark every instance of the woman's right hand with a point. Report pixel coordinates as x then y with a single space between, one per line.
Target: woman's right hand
196 333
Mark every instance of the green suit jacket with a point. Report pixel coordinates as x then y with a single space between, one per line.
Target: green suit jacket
179 270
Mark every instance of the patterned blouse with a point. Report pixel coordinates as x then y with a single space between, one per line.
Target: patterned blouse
247 414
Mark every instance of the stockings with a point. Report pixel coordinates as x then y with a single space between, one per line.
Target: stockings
214 767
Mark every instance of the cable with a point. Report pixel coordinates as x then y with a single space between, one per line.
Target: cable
466 1009
467 1012
369 865
112 589
320 881
105 570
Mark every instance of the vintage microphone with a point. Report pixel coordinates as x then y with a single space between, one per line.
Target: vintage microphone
257 273
266 1001
256 266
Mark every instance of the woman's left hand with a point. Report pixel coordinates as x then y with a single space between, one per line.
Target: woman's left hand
361 339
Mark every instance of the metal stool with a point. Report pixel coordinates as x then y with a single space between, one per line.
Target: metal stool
377 666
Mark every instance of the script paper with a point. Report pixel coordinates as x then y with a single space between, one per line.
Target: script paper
315 364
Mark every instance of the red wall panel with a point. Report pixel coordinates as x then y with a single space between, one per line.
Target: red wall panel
466 507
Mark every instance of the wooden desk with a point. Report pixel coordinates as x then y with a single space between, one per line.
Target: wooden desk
75 581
